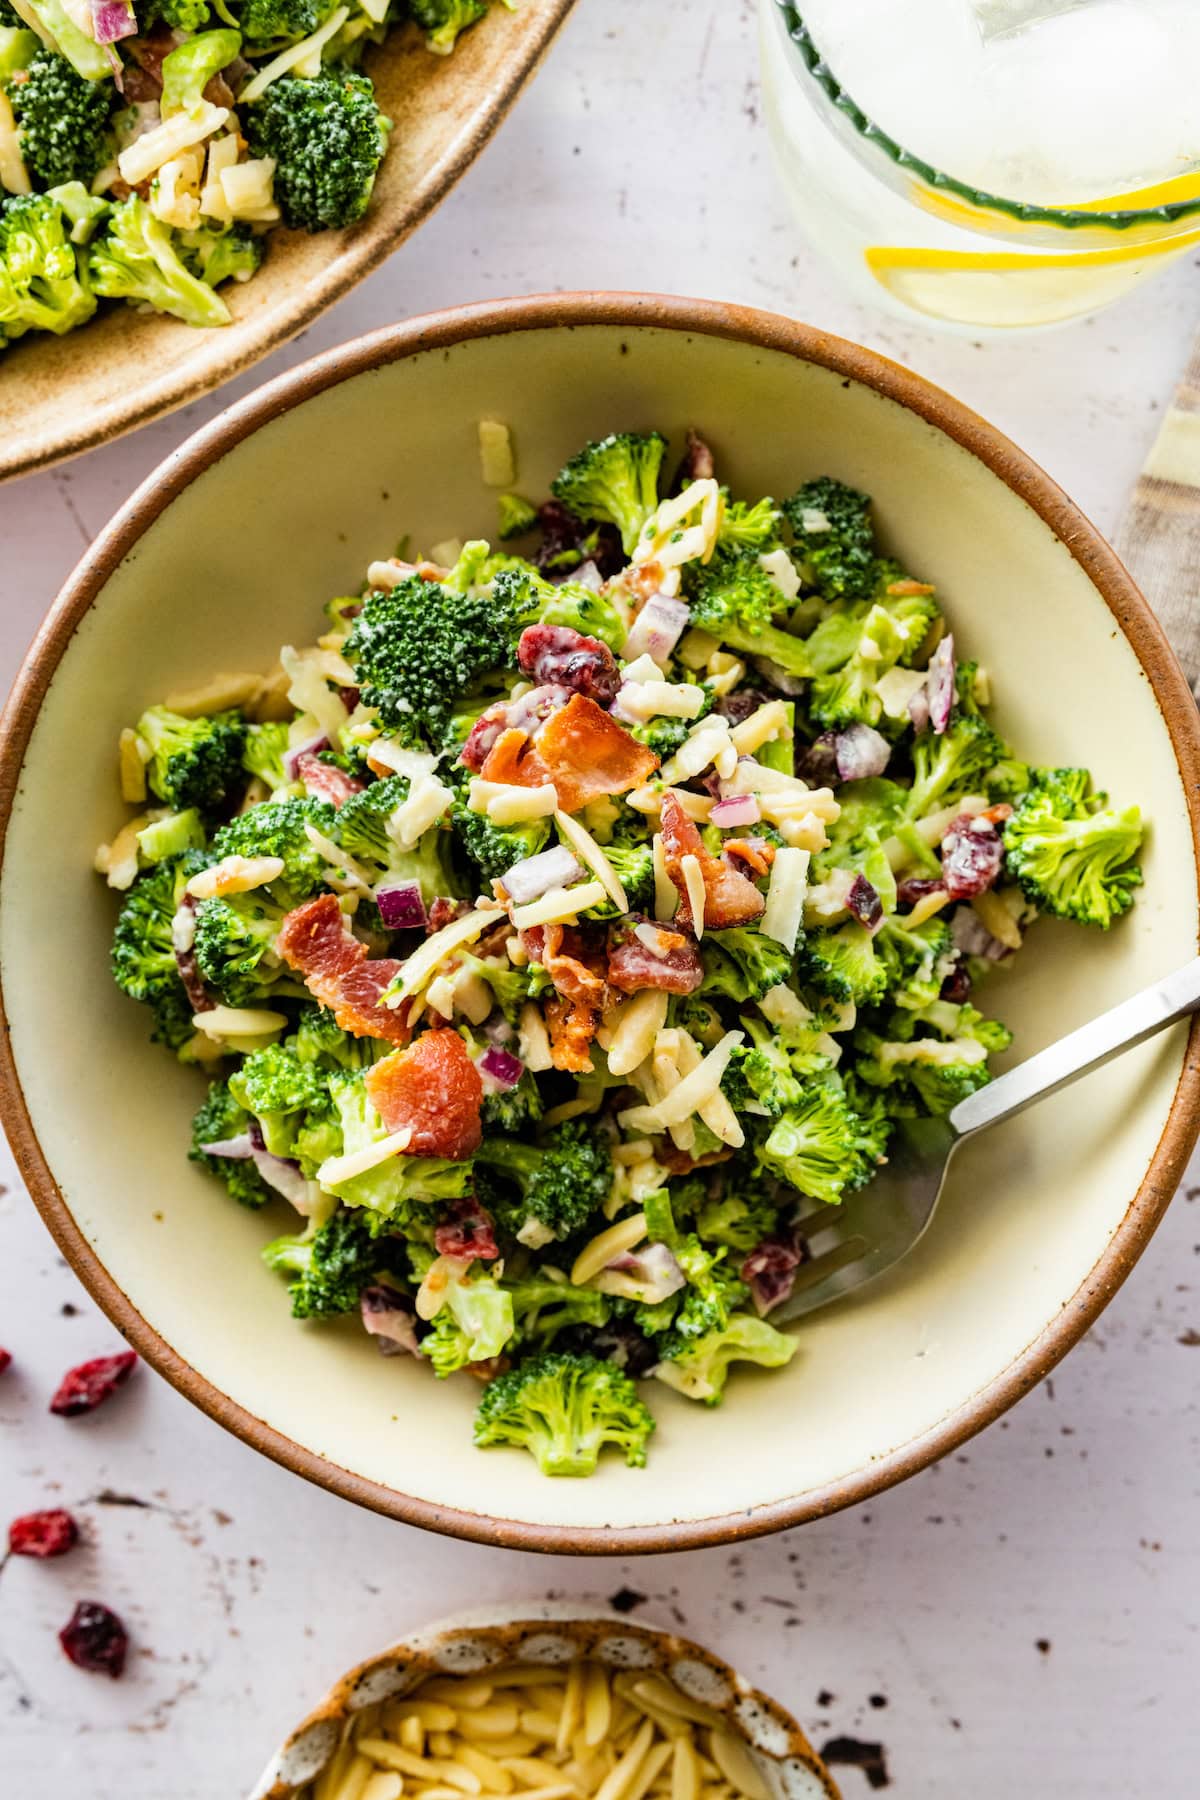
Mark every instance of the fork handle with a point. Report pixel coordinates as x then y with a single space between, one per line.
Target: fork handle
1113 1032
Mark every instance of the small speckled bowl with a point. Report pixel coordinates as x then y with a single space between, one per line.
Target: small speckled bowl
551 1635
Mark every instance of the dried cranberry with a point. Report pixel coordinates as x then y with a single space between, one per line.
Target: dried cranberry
972 856
914 888
739 705
560 655
817 763
697 464
43 1534
770 1269
5 1359
864 903
95 1639
483 735
957 986
88 1386
465 1232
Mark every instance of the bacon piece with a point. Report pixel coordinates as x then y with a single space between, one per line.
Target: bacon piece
973 852
434 1088
315 940
325 781
729 898
754 854
483 736
465 1231
674 966
514 760
558 654
443 911
770 1269
590 755
571 1026
574 961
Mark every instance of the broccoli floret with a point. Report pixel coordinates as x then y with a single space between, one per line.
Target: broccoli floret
563 1410
183 15
749 526
521 597
280 21
170 836
843 964
391 1188
912 609
700 1367
947 766
320 1039
542 1307
512 1110
822 1146
495 848
760 1077
136 257
1073 854
444 21
742 964
933 1072
560 1183
712 1294
735 600
263 752
143 951
44 282
616 481
847 696
362 829
220 1119
62 120
234 933
193 762
328 138
277 1080
277 828
473 1326
832 526
516 516
738 1220
229 254
421 647
330 1267
916 960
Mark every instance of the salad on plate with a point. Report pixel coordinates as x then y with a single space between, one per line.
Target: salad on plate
572 922
147 147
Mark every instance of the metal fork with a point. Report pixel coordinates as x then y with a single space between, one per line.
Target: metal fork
854 1243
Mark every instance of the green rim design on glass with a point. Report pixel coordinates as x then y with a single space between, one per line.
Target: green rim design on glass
1024 211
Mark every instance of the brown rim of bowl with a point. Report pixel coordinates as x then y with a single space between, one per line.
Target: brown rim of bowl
420 1650
362 253
708 318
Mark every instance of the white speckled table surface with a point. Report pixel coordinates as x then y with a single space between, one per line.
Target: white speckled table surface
1022 1618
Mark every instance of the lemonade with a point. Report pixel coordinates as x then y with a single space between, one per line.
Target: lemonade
990 164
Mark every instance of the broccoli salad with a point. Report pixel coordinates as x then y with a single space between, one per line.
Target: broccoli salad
572 923
147 146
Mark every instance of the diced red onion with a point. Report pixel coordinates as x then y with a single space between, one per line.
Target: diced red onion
309 747
501 1066
861 752
112 20
654 1269
736 809
918 710
939 684
237 1149
972 937
657 629
864 903
283 1176
389 1317
770 1269
534 876
401 906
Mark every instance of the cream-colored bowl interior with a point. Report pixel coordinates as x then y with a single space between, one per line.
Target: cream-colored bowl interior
241 561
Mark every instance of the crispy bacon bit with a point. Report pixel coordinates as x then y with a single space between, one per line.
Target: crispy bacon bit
909 587
488 1369
770 1269
514 760
729 898
434 1088
914 888
755 854
465 1231
973 852
325 781
559 655
674 964
571 1027
589 755
443 911
315 940
575 961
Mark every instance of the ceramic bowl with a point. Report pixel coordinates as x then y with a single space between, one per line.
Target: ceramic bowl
61 396
225 553
549 1636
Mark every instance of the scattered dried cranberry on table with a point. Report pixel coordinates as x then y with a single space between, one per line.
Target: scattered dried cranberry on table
95 1639
43 1534
89 1385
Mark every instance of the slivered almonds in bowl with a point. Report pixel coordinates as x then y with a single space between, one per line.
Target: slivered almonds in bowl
562 1709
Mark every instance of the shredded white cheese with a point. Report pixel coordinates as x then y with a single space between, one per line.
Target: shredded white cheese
693 881
705 742
344 1168
782 570
533 1040
691 1093
657 699
625 1235
222 155
235 875
421 965
590 854
559 905
427 802
249 190
666 895
304 57
309 691
506 803
724 671
642 668
354 872
769 721
896 689
400 760
139 160
684 527
632 1031
497 463
696 648
784 912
